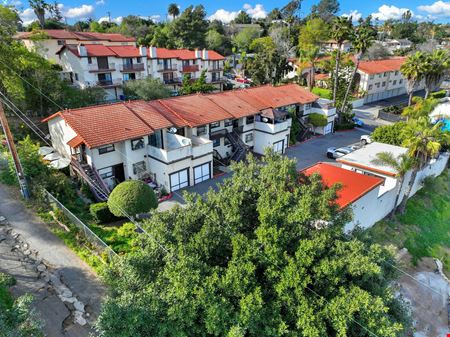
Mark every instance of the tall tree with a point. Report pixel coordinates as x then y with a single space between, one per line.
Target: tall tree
438 64
363 38
402 165
242 18
312 34
244 38
325 9
55 12
173 10
413 69
264 66
423 142
251 260
189 29
342 30
39 7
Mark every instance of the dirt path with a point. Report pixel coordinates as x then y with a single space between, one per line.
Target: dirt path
68 293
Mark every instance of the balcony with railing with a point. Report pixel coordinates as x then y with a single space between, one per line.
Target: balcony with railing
190 68
278 126
132 67
95 68
109 82
166 67
174 80
179 147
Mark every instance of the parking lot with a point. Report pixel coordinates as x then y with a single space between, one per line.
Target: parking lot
306 154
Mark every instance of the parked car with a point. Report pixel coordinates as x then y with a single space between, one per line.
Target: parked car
358 122
365 139
334 153
243 80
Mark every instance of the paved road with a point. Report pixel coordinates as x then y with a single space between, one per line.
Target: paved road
306 154
65 264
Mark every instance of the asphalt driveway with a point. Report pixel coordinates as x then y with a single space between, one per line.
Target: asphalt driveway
306 154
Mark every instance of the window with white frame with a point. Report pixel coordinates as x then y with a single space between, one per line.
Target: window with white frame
106 149
249 137
139 168
106 172
214 125
201 130
370 87
137 144
228 122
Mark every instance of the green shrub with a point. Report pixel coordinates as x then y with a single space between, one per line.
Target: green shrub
317 119
132 197
101 213
390 134
322 92
439 94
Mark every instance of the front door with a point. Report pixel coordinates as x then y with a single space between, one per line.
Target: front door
119 173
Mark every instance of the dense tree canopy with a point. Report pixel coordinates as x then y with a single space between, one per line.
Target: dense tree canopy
147 89
263 256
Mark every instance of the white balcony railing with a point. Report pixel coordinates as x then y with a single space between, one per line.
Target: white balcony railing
179 147
96 68
273 128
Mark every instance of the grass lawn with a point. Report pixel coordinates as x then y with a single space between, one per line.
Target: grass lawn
424 229
322 92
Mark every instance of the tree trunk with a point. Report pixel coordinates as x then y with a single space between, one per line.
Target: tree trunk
336 71
402 206
427 91
410 98
399 191
347 92
311 78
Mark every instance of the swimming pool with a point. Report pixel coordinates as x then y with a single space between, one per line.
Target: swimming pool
446 126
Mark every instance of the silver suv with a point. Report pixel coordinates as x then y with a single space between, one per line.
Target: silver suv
334 153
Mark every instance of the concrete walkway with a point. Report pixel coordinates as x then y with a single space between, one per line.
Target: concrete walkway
66 274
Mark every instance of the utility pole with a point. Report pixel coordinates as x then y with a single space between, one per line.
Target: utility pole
12 148
109 17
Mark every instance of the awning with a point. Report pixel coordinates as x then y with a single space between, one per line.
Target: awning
273 113
75 142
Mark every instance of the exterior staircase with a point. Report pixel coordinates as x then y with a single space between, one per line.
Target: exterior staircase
240 148
306 130
92 178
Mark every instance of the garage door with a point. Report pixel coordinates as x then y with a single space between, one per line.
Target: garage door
179 180
202 173
328 128
278 147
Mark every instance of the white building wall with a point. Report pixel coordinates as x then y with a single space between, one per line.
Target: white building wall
60 133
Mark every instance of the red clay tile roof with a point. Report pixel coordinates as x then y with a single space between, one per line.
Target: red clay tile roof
354 185
80 36
93 50
125 51
109 123
381 66
104 124
75 141
184 54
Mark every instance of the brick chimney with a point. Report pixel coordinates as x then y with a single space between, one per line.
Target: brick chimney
82 50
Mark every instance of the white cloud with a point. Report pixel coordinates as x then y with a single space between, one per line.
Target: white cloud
16 3
355 14
155 18
100 2
257 12
386 12
117 20
82 12
27 16
223 15
439 8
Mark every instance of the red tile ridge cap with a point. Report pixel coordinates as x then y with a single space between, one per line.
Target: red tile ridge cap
137 115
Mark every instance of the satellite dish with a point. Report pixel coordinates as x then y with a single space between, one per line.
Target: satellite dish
173 130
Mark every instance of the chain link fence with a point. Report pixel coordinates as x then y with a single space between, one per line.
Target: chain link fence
98 243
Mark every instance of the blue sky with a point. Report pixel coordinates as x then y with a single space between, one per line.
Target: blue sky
74 10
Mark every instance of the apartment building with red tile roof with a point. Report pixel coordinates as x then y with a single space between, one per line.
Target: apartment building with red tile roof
177 134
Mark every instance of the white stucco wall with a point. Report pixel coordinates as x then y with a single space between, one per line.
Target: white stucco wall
60 133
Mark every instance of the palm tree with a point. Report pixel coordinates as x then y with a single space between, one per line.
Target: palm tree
402 165
173 10
438 64
413 69
310 54
341 31
423 142
362 40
